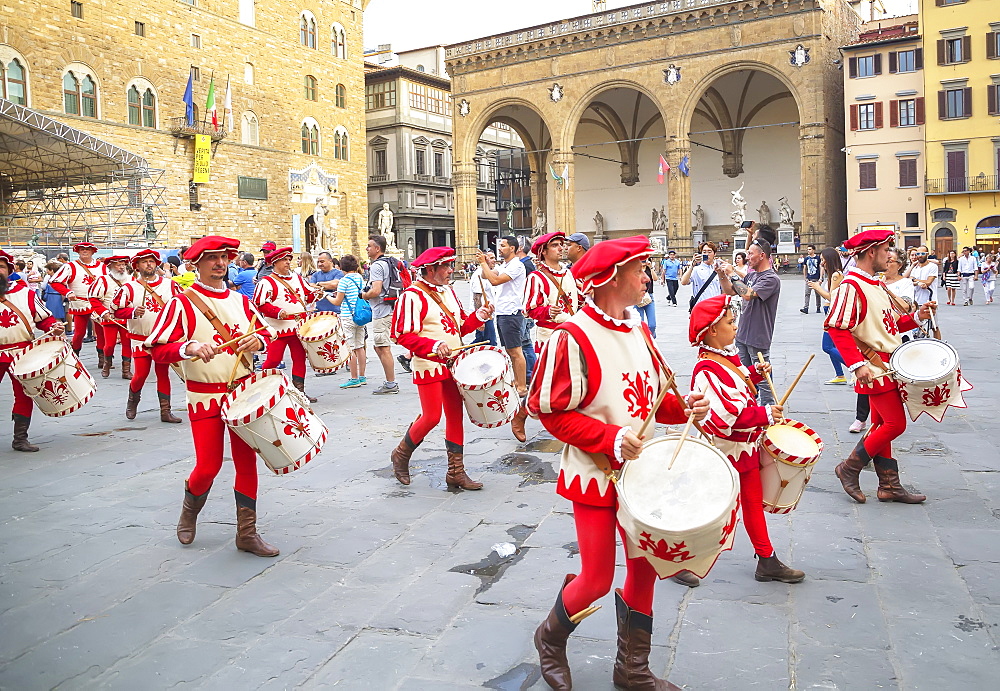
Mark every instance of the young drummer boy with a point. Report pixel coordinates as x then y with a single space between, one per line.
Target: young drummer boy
735 420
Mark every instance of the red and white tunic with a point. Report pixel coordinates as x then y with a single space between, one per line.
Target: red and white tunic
596 379
181 322
863 314
735 418
14 333
289 293
419 324
77 277
100 295
132 295
541 293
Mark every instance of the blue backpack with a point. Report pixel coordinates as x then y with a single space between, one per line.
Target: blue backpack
361 311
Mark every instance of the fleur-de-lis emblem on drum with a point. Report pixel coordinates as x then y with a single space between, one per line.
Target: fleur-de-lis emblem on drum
638 394
330 351
54 391
937 396
728 529
663 550
498 401
297 422
890 322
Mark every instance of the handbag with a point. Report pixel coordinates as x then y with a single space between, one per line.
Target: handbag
694 298
646 299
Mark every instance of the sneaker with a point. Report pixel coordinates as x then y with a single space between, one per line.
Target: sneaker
351 384
281 365
386 388
804 310
404 362
857 427
838 380
363 380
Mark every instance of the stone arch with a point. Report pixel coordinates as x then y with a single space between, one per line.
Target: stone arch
686 112
465 150
583 103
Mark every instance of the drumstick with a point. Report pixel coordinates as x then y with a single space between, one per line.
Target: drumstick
673 387
884 374
767 375
652 413
242 356
486 300
801 372
470 345
684 434
232 341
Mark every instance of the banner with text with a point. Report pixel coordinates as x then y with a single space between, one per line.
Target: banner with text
202 157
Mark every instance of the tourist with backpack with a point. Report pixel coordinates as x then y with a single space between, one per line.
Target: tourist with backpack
385 286
354 309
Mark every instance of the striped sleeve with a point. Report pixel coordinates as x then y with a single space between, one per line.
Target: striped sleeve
121 302
847 307
724 401
170 332
560 380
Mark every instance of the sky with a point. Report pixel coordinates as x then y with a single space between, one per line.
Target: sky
408 24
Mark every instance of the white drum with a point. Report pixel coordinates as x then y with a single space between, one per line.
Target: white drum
789 451
485 378
683 518
929 376
325 344
274 419
53 376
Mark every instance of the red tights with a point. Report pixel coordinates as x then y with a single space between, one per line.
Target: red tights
80 322
22 403
276 352
435 396
595 534
208 435
113 334
140 370
752 508
888 422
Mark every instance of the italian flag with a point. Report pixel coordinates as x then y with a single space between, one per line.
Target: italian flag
210 104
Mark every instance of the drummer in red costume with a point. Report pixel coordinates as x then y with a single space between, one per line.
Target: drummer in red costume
194 324
736 421
140 301
283 297
594 386
99 295
20 304
866 327
550 299
73 282
428 320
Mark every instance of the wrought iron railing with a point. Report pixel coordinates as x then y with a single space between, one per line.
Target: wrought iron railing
979 183
179 127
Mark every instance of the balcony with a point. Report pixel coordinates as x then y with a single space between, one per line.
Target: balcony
979 183
384 177
179 128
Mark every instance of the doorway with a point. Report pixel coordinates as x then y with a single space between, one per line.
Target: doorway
944 241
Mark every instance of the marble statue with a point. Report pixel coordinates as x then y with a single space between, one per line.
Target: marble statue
385 219
539 222
785 212
659 220
764 214
699 219
319 218
599 223
740 213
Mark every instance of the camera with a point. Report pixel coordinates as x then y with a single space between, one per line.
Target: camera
704 256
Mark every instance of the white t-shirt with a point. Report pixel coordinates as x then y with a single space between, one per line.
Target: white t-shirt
477 284
701 273
510 295
903 288
922 273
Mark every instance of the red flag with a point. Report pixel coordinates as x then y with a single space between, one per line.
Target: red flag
663 170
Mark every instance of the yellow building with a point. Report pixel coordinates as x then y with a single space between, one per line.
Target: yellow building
961 80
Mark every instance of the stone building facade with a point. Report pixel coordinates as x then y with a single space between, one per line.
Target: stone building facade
119 72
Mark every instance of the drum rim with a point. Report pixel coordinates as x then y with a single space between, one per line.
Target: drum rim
309 339
777 454
907 378
485 385
229 396
48 367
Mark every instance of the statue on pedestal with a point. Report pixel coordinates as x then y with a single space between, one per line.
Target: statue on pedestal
384 224
699 219
599 223
539 227
785 212
740 214
764 214
319 218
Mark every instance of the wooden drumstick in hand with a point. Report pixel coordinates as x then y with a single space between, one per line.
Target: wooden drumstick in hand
792 387
685 433
767 375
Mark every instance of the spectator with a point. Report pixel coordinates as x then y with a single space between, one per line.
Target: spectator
527 339
968 269
952 281
810 271
510 278
53 300
187 277
244 281
327 277
740 264
576 245
701 275
349 288
671 269
307 266
62 258
989 276
263 268
381 272
832 273
923 276
648 310
33 277
477 285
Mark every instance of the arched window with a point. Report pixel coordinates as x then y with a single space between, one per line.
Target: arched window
309 84
307 29
14 80
310 137
340 150
421 68
248 74
79 94
338 44
249 132
141 106
341 100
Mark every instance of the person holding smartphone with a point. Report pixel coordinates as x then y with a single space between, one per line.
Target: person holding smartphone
701 276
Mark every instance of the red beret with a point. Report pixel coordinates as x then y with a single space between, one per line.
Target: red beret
7 258
541 243
84 245
706 314
211 243
869 238
274 256
435 255
600 264
116 258
144 254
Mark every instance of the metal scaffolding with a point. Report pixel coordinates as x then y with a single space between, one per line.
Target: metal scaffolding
59 186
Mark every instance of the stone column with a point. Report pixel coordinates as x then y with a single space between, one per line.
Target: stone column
565 198
679 219
823 213
466 217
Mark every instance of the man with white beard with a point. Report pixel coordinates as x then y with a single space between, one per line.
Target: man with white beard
99 295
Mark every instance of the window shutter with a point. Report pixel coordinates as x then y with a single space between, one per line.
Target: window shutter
854 117
918 58
878 114
892 62
991 98
878 63
852 68
967 97
966 48
939 3
919 110
893 113
941 53
991 45
942 105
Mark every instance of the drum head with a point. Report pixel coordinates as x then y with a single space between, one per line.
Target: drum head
320 325
37 357
258 394
793 441
925 359
698 489
476 367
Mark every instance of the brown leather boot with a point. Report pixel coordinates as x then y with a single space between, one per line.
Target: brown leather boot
300 384
550 642
20 442
126 367
635 633
401 459
132 407
889 487
771 569
849 472
247 539
686 578
456 476
105 364
165 414
517 424
188 522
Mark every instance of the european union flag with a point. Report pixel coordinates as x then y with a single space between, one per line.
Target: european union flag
189 101
685 166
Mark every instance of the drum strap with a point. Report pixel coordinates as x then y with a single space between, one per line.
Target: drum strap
902 308
733 368
152 293
440 303
216 323
25 322
290 290
563 297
